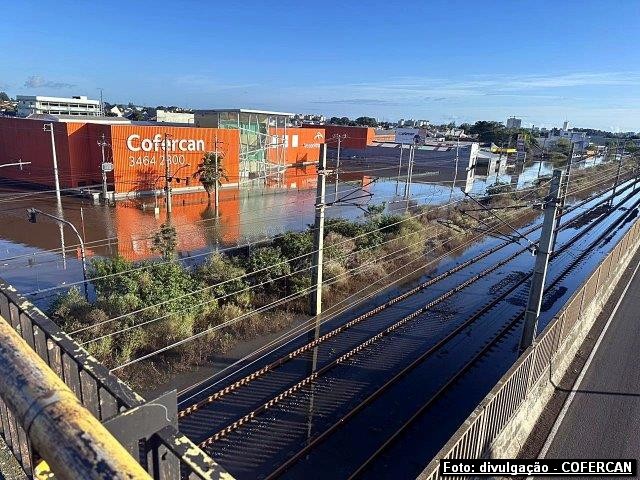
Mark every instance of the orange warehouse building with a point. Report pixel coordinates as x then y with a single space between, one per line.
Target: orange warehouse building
137 153
352 137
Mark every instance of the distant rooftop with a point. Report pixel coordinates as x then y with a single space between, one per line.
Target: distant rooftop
44 98
79 118
243 110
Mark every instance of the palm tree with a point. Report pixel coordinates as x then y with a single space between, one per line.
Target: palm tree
210 173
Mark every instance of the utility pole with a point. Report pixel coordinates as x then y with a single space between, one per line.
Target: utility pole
32 214
102 143
564 189
167 173
315 304
101 103
455 173
544 149
543 252
407 187
55 159
339 138
399 167
615 185
217 182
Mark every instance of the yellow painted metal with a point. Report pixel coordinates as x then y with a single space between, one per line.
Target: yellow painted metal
63 432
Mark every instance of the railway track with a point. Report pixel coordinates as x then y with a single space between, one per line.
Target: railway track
510 328
435 348
308 346
391 389
310 379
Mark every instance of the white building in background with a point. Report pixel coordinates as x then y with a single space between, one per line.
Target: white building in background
164 116
116 111
580 140
513 122
40 105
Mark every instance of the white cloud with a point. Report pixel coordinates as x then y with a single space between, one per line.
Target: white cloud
36 81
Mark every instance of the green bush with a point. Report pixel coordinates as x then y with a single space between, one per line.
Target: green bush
296 244
221 269
270 265
116 282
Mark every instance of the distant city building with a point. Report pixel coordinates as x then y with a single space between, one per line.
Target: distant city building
37 105
165 116
565 125
300 118
513 122
116 111
580 140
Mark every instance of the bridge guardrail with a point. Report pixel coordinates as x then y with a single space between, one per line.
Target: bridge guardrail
167 454
474 437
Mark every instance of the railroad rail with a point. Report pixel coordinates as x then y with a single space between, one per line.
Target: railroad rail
237 423
314 376
244 381
503 332
509 327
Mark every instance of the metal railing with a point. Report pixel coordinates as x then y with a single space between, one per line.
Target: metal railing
74 443
165 454
476 435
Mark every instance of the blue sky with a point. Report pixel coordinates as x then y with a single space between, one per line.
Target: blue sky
545 61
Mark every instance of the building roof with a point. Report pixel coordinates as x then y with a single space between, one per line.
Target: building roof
79 118
439 147
79 99
243 110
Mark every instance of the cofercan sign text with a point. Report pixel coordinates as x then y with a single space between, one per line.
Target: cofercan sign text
135 143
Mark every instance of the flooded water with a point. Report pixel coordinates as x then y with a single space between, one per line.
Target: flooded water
36 257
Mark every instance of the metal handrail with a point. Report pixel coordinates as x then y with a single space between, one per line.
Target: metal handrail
102 393
67 436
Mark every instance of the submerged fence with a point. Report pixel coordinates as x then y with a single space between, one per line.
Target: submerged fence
163 451
477 434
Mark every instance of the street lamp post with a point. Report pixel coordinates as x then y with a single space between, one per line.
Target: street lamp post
32 213
56 178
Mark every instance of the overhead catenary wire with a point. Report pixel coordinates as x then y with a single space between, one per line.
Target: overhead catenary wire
216 327
298 257
173 345
313 320
402 220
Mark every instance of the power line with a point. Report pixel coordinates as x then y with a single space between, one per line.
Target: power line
216 327
404 219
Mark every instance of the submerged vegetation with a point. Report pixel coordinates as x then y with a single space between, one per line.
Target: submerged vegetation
233 297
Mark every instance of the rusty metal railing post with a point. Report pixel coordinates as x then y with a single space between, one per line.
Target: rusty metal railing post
69 438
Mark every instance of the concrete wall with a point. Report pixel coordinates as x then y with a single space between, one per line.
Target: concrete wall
515 433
